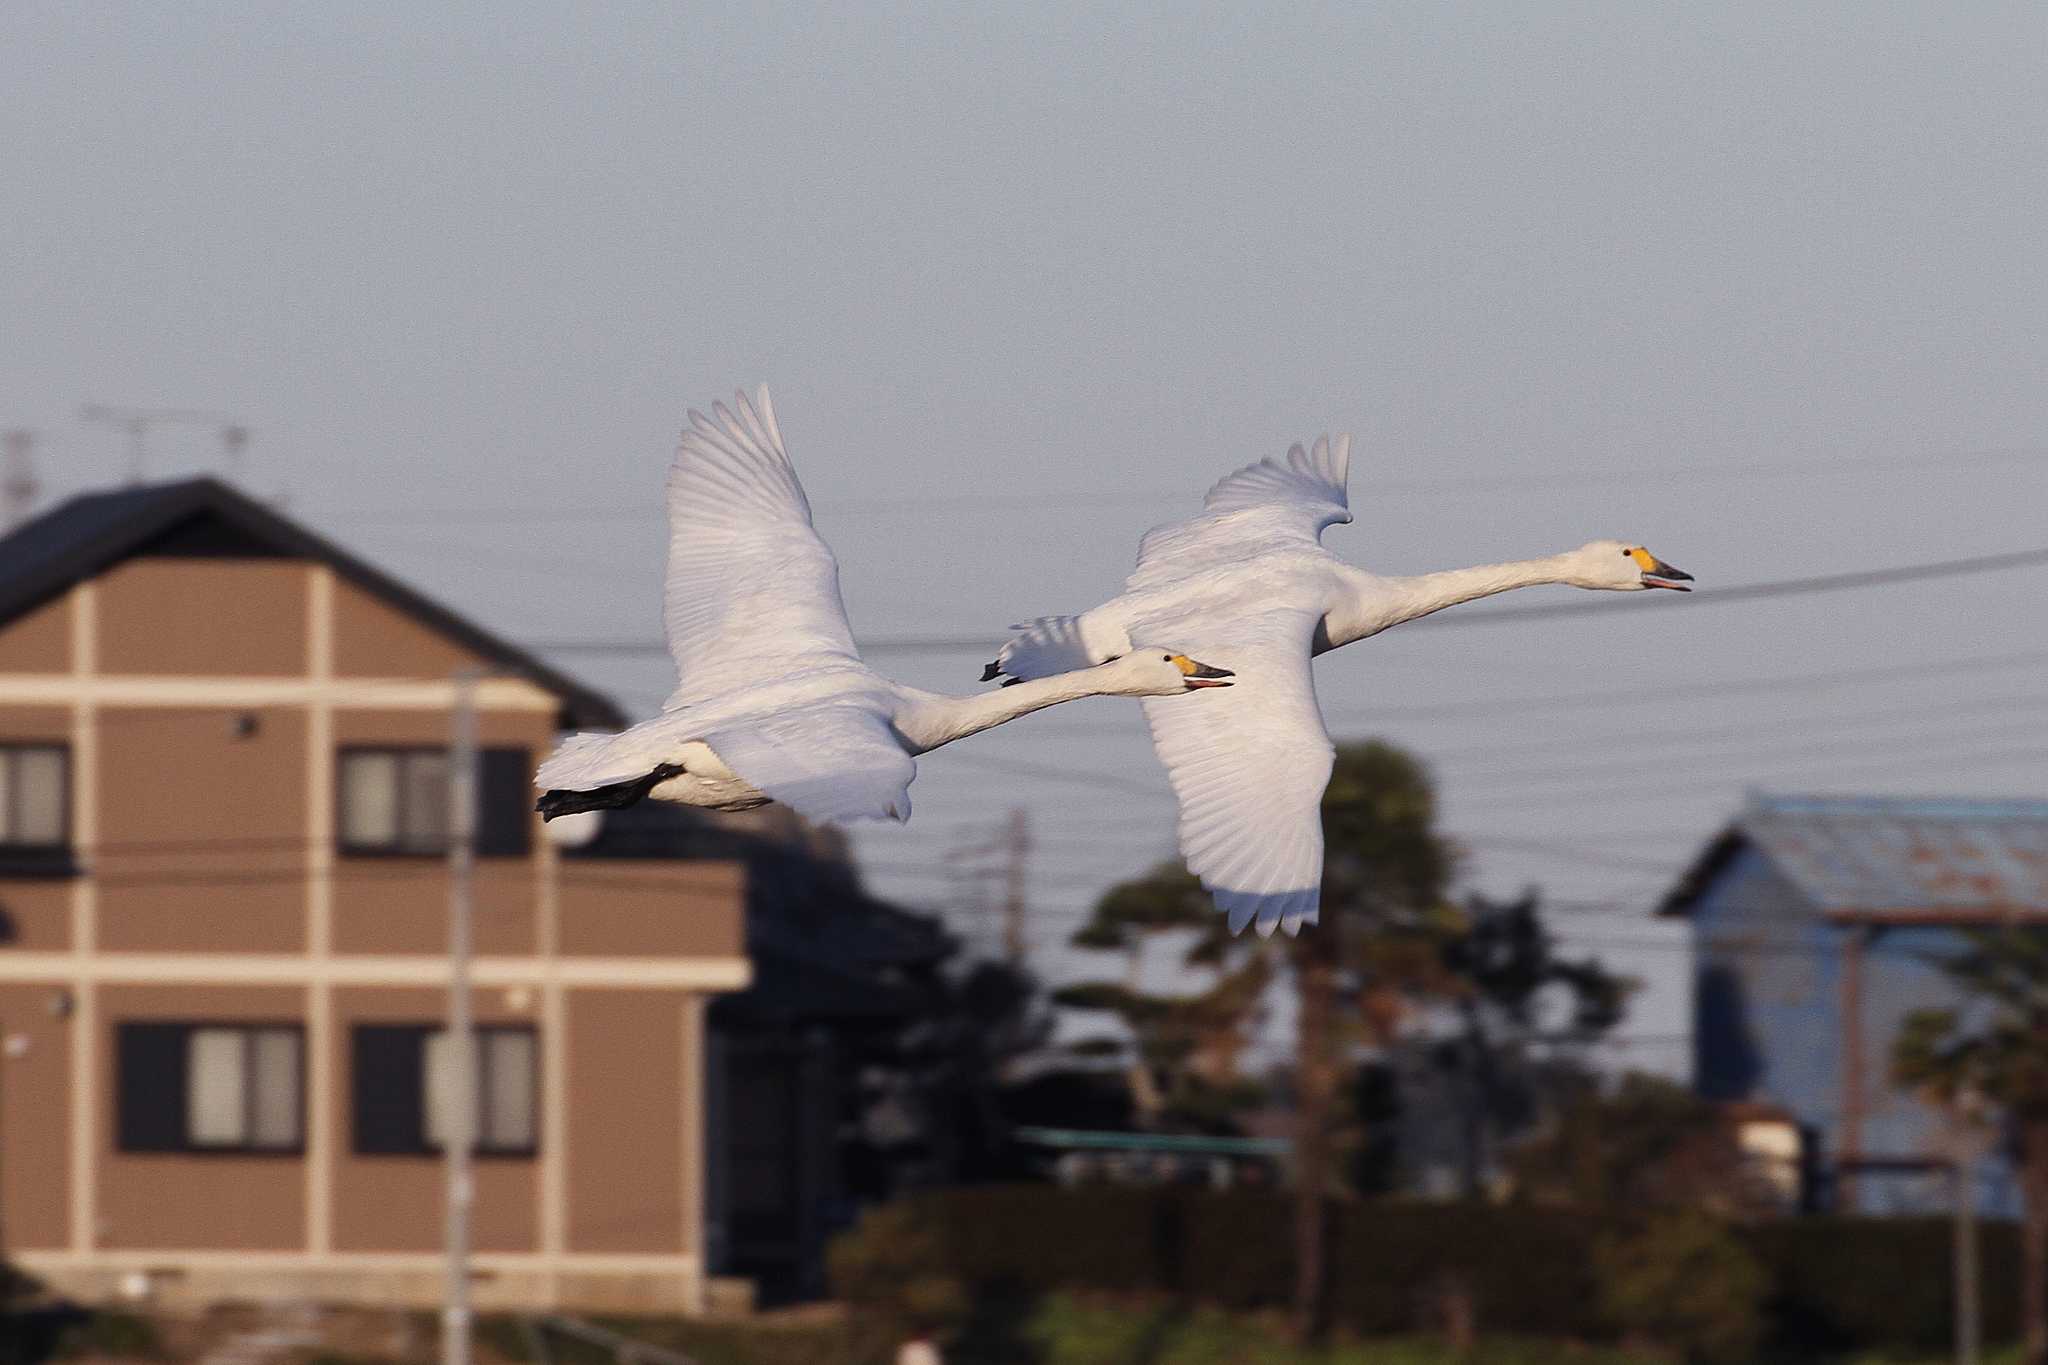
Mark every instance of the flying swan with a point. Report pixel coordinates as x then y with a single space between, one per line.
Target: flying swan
775 703
1250 580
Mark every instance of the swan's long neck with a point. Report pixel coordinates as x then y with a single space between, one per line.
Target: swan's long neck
1377 603
928 719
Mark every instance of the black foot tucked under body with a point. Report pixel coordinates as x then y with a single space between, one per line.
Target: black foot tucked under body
564 802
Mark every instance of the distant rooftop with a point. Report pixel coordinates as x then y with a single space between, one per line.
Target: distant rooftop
1890 855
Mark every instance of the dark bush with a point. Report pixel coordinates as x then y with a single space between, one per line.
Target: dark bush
1829 1284
1846 1283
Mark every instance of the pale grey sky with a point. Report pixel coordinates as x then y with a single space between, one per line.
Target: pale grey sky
1739 281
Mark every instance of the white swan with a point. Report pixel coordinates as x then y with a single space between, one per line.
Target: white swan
1250 580
775 703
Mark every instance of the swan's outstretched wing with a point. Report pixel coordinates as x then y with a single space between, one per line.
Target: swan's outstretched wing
1248 764
1274 505
753 594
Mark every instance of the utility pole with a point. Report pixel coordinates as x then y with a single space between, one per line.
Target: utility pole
18 486
234 437
460 1138
1963 1174
1018 844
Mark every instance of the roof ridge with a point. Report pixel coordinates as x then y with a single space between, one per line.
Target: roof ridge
92 530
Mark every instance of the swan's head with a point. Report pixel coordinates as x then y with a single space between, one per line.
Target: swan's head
1154 671
1621 566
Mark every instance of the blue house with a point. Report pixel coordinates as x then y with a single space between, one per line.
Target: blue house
1816 922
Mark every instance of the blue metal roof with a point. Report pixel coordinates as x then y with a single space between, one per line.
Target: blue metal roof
1879 854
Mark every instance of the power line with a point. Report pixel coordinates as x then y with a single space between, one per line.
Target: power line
1635 744
1741 592
1784 587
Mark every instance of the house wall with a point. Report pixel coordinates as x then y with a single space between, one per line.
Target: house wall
626 1187
202 840
38 641
213 618
35 1151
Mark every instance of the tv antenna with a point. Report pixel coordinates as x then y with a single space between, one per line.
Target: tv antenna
234 437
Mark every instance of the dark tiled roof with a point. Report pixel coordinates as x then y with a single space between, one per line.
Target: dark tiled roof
89 533
1879 855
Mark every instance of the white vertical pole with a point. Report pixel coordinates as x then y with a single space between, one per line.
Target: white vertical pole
462 1102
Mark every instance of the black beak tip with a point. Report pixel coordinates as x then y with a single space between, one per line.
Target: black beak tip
1679 574
991 672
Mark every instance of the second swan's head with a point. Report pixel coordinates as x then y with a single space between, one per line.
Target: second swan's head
1621 566
1155 671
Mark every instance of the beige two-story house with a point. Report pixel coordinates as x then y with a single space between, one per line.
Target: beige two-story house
223 890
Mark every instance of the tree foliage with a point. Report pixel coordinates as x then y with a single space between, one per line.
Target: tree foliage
1651 1144
1524 1014
1385 912
1993 1056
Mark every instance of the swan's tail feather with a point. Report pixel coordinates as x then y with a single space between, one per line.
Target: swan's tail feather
1057 644
587 761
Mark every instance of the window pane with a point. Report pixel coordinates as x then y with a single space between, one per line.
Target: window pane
39 801
437 1075
426 800
277 1089
508 1098
369 799
213 1096
6 797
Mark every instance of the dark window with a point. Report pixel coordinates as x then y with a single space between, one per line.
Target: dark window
403 1080
190 1087
396 801
35 796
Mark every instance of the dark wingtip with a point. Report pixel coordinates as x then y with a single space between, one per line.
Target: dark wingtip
992 671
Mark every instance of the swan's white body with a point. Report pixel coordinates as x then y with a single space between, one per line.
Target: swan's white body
1249 581
775 703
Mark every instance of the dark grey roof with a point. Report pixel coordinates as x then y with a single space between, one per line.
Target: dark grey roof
1890 855
81 537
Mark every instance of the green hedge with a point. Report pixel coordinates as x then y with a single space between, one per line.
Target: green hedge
1835 1284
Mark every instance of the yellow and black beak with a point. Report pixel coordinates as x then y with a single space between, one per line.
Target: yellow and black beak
1658 574
1201 675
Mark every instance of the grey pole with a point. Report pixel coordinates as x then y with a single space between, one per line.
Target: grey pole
1969 1310
461 1116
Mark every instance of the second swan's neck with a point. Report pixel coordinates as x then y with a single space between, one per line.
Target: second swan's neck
1377 603
928 719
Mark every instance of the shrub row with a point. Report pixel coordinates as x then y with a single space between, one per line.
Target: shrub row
1832 1283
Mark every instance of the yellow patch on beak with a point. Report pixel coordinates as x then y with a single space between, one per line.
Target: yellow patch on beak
1186 665
1645 561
